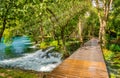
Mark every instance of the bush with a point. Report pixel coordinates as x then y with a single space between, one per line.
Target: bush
112 75
54 43
117 48
108 54
114 47
43 45
73 46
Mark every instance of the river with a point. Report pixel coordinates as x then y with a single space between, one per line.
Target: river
21 53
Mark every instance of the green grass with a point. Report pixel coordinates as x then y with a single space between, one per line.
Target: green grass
17 73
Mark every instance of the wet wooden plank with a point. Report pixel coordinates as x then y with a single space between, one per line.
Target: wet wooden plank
86 62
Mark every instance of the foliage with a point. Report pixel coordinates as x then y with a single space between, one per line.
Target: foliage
38 19
7 36
113 28
113 47
43 45
112 75
58 20
108 54
72 46
55 44
113 62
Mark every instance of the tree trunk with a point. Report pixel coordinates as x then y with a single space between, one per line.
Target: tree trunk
42 33
54 20
63 37
80 29
103 18
3 28
102 32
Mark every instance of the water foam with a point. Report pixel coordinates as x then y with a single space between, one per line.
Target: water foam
39 61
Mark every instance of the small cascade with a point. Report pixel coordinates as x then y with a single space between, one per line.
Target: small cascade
15 56
38 61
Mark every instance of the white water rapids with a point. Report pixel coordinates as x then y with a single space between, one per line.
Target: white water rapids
39 61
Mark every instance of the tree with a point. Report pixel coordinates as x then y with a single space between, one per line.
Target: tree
5 8
10 12
113 29
103 8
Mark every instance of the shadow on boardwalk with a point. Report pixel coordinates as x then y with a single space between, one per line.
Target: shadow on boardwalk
86 62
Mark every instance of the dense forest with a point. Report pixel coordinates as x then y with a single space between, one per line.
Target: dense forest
65 24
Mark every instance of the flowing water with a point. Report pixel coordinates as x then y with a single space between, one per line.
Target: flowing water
22 54
16 48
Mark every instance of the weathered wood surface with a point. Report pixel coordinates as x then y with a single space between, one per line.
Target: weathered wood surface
86 62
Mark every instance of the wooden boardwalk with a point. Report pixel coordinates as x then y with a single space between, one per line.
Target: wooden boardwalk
86 62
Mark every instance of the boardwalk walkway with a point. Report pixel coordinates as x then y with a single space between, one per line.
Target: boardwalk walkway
86 62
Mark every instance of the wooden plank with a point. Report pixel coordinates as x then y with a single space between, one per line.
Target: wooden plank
86 62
